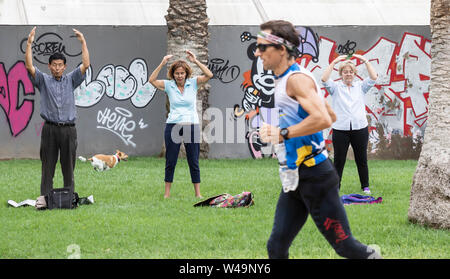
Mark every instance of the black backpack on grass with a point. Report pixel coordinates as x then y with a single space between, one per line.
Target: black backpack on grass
62 198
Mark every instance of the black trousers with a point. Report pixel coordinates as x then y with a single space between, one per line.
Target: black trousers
174 134
359 140
57 141
318 195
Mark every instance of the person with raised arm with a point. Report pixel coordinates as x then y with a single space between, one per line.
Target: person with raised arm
351 127
57 108
182 122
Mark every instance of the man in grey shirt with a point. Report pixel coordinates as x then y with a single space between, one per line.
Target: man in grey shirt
59 135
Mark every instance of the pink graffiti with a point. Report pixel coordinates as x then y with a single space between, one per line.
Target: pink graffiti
18 115
38 128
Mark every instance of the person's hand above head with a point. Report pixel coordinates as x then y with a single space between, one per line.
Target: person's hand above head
31 35
370 69
339 59
166 59
29 53
84 51
153 77
191 56
327 73
360 57
79 35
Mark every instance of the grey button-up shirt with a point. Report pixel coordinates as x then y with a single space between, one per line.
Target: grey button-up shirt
57 97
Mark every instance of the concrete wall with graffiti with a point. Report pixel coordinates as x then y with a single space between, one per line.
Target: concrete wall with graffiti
118 109
116 106
397 107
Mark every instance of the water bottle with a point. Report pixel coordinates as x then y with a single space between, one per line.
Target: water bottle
288 177
280 151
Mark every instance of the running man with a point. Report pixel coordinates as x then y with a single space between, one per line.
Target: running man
303 116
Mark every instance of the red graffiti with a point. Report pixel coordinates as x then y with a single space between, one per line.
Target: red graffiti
17 115
337 227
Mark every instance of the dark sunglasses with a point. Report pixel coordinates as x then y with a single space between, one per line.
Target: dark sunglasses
263 47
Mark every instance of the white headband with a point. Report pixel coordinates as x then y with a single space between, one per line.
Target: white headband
275 39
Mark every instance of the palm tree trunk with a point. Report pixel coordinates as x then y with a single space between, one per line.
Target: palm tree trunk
430 192
187 23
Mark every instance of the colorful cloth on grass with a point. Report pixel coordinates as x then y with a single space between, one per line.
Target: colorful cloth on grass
359 199
244 199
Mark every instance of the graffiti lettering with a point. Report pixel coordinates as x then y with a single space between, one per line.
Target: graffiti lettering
46 45
117 82
119 124
17 115
347 48
222 71
47 48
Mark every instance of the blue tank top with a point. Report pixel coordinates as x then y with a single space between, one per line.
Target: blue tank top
291 113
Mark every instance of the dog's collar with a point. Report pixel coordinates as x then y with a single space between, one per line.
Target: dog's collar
117 160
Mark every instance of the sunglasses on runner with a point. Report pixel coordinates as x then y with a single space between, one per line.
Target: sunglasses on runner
263 47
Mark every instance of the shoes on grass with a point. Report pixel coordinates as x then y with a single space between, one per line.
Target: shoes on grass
367 191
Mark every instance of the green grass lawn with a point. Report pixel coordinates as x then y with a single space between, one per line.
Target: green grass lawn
131 219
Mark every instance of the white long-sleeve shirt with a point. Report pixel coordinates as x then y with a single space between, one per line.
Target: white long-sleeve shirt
348 103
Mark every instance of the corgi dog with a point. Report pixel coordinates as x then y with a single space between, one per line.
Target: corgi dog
102 162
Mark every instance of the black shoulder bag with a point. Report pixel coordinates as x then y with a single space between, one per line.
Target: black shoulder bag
62 198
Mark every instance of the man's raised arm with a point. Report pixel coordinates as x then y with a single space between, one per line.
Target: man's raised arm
84 52
29 53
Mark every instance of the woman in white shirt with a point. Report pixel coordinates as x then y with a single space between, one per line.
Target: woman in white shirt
351 127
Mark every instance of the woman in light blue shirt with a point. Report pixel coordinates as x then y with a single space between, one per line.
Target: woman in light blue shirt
182 123
351 126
